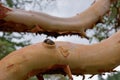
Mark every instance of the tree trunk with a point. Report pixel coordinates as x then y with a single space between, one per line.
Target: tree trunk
50 57
63 58
14 20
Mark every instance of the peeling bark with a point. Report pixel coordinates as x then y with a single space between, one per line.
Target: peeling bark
43 58
14 20
50 57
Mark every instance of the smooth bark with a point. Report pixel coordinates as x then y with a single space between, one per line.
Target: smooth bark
14 20
46 58
60 57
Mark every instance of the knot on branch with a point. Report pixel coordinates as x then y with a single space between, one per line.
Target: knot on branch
49 43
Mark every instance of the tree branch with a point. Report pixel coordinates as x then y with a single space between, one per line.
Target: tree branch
14 20
61 57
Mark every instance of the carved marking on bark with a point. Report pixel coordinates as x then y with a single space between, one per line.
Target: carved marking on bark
64 51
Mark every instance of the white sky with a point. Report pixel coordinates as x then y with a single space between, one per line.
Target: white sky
67 8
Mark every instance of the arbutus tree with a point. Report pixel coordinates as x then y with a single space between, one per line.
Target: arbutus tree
51 57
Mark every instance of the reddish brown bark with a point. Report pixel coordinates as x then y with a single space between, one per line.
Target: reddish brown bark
43 58
60 57
14 20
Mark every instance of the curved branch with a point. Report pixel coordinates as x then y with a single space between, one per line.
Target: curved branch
48 58
28 21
